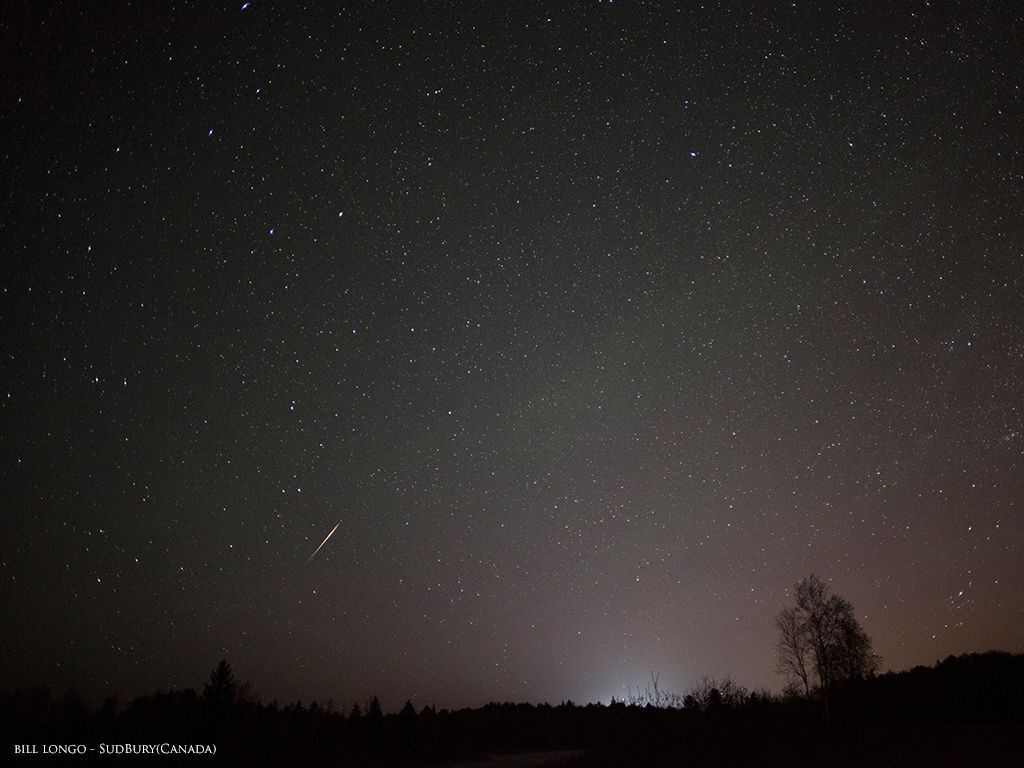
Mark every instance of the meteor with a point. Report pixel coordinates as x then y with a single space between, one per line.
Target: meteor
322 543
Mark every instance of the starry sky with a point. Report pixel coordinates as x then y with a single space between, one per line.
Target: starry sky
593 327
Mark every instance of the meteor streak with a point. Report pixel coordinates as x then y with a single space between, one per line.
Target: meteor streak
322 543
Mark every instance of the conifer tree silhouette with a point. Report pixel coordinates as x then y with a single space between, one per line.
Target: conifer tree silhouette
221 690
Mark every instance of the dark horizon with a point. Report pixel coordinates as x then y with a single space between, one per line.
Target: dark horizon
651 691
511 353
965 710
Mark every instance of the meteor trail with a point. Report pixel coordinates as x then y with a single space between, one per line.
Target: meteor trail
323 542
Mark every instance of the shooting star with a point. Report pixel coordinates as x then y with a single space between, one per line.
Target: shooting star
323 542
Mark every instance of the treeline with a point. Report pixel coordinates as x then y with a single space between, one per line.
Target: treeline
973 688
968 708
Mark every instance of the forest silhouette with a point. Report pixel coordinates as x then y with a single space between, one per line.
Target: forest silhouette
965 710
835 710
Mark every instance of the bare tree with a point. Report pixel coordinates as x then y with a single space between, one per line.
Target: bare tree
709 693
821 643
794 652
653 696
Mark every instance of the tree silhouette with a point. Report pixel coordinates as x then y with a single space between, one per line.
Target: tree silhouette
821 643
373 710
374 722
407 727
794 651
221 690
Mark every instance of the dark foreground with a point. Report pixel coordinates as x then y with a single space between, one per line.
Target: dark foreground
965 711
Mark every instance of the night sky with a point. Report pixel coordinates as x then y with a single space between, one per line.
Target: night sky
596 326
